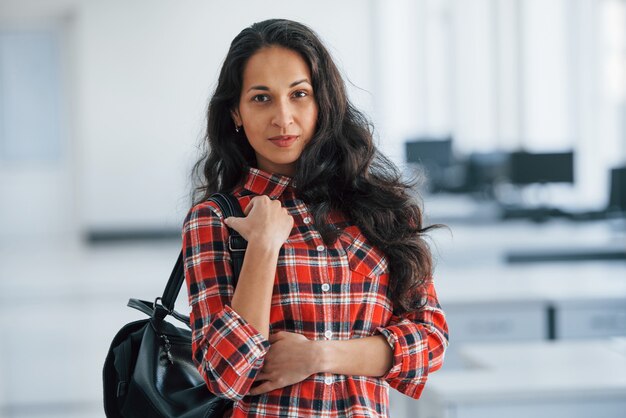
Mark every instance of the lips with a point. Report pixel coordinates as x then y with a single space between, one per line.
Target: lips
283 140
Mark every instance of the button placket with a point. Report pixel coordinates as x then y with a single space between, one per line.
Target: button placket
328 307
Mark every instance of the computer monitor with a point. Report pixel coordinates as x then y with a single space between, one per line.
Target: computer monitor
529 168
434 156
617 193
430 152
483 170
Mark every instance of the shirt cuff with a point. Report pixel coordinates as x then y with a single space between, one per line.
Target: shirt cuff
237 341
392 340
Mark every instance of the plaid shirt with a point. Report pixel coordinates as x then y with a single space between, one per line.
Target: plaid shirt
334 292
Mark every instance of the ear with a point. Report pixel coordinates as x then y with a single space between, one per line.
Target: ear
234 113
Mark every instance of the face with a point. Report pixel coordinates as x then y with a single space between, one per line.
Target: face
277 108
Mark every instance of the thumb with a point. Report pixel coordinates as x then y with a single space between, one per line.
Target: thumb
233 222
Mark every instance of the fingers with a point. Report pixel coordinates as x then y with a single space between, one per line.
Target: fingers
285 335
264 387
234 221
236 224
275 337
265 220
256 199
248 208
262 376
262 200
270 381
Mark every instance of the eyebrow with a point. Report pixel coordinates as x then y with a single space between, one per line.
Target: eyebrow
295 83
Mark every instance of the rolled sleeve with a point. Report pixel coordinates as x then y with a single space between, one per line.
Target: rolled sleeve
233 354
236 342
227 350
418 341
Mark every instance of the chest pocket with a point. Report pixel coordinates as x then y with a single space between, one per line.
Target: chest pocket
363 258
367 280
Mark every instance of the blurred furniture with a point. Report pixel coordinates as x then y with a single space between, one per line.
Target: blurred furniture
434 159
524 319
583 318
508 305
616 208
617 192
608 253
526 168
533 379
484 171
553 167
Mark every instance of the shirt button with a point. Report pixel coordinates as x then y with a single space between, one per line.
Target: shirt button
325 287
320 248
328 334
328 380
307 220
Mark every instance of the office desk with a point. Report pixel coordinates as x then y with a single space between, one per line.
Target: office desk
534 379
500 303
557 239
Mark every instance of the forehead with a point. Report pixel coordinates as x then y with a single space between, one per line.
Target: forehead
275 66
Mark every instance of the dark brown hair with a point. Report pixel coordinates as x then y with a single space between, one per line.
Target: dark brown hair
340 168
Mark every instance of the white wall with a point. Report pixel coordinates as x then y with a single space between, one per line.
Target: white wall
146 69
137 77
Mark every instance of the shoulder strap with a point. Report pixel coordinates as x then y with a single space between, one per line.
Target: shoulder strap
229 205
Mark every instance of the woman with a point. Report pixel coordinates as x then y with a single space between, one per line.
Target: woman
335 301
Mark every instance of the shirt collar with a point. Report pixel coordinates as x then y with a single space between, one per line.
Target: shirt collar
261 182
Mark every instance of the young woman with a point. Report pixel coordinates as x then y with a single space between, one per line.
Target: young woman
335 300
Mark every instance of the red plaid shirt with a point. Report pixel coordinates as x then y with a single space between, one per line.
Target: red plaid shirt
337 292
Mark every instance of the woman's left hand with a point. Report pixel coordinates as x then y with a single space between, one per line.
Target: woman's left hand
290 359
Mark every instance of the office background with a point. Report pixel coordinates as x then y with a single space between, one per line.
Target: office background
511 112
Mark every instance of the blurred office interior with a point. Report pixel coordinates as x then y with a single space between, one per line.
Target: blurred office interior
511 113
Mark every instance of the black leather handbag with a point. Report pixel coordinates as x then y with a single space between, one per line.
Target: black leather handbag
149 370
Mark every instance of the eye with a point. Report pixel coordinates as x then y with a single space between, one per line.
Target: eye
300 93
261 98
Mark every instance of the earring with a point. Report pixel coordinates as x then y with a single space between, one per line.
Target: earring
237 128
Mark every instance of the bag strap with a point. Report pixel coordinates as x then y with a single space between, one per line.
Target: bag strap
229 205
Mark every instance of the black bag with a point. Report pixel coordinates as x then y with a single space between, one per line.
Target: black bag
149 370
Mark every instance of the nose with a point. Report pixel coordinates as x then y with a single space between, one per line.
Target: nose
283 115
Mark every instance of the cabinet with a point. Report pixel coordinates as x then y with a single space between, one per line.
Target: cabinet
535 379
590 319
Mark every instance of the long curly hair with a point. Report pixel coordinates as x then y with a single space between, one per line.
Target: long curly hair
339 169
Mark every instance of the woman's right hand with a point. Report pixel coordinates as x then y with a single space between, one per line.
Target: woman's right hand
266 222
